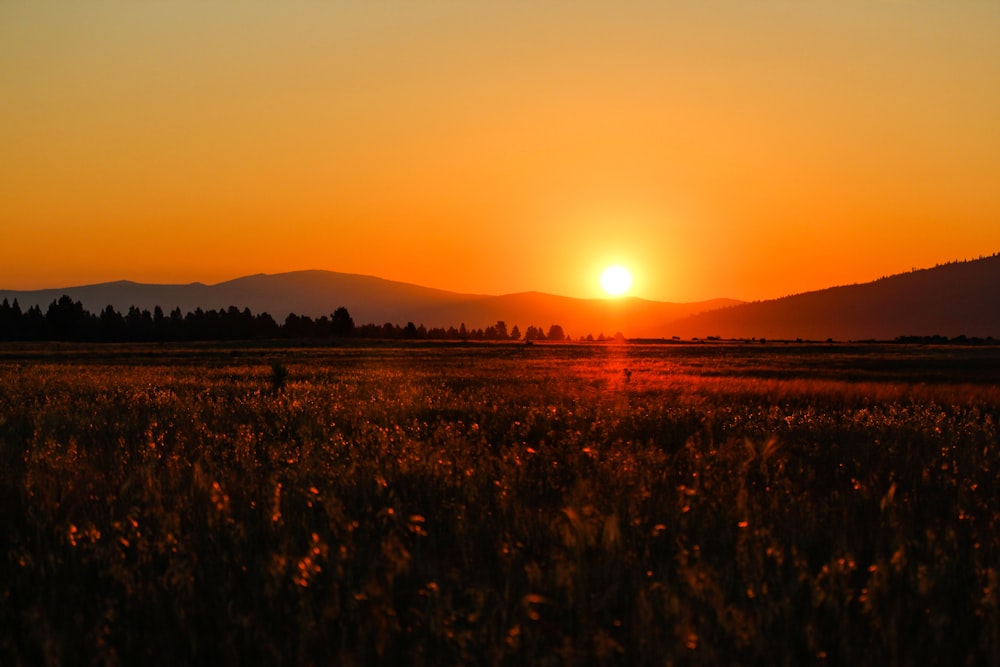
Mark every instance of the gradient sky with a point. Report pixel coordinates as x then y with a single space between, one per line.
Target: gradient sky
738 148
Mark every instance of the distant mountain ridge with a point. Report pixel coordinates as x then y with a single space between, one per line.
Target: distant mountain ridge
955 299
375 300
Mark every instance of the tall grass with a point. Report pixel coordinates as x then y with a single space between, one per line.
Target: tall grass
497 505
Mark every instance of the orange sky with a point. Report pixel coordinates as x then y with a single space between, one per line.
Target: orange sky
716 148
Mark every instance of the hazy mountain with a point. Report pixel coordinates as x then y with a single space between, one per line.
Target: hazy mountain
955 299
374 300
961 298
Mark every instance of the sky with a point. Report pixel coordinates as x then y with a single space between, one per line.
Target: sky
746 149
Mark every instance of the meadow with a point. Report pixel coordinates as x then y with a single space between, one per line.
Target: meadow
439 504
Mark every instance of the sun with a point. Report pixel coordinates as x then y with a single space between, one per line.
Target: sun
616 280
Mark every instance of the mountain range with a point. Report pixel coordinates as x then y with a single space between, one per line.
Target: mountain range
375 300
955 299
960 298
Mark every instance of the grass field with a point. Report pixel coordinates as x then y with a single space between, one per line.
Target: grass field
500 505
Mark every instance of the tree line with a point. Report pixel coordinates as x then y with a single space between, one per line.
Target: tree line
67 320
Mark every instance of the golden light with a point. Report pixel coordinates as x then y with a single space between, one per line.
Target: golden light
616 280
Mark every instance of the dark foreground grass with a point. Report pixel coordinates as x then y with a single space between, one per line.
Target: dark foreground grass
499 505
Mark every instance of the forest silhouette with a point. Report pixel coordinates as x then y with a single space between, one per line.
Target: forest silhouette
68 320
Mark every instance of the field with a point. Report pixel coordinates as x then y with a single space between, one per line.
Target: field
500 504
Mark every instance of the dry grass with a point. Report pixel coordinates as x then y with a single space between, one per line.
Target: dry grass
497 505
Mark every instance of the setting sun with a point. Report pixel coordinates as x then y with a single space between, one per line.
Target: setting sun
616 280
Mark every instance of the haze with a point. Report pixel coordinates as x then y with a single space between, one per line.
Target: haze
715 149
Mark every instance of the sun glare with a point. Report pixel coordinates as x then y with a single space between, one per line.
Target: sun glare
616 280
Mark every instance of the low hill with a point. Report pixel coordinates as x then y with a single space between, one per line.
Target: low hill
375 300
961 298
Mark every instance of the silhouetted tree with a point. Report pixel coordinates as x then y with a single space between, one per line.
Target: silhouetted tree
195 325
265 326
111 324
369 330
298 326
321 327
534 333
175 325
33 324
10 320
67 320
341 324
515 333
555 333
160 325
235 324
139 324
212 324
